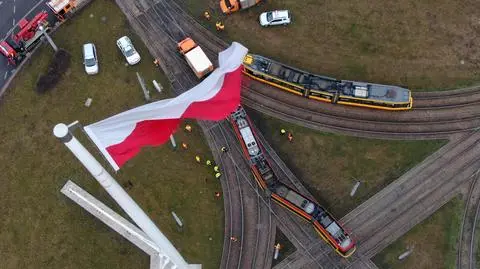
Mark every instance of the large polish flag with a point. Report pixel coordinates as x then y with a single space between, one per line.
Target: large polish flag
121 137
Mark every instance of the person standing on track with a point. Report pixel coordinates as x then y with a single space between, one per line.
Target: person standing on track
224 149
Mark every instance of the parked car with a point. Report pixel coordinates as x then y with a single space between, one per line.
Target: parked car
90 59
128 50
277 17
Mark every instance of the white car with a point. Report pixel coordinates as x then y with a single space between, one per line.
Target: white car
128 50
90 59
277 17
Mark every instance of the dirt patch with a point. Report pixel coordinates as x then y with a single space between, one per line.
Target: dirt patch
58 66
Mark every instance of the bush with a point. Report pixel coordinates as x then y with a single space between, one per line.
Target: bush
58 66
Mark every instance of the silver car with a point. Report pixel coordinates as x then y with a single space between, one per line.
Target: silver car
128 50
90 59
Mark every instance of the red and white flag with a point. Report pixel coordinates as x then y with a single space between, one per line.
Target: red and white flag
121 137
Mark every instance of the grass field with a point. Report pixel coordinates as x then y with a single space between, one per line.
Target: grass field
434 241
41 228
418 43
329 164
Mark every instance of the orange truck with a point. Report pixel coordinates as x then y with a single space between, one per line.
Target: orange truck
196 58
230 6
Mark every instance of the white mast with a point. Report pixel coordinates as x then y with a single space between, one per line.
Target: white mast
62 132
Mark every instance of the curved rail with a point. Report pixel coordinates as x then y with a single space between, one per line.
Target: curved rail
439 114
465 248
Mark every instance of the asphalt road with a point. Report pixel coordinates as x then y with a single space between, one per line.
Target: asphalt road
11 11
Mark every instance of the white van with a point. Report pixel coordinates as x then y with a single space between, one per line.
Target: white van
90 59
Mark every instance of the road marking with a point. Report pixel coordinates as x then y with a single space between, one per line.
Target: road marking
13 22
1 2
14 9
26 14
5 76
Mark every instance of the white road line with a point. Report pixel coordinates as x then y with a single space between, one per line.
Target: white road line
1 2
13 22
26 14
5 76
14 9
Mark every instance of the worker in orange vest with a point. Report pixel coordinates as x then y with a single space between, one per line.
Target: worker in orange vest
220 26
184 145
290 137
217 194
206 14
188 128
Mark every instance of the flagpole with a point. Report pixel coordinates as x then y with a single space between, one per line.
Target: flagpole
62 132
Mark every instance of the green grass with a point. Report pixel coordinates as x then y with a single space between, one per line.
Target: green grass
329 164
286 249
40 227
434 241
417 43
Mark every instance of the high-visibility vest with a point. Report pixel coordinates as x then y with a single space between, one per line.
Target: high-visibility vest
217 175
209 162
215 168
197 158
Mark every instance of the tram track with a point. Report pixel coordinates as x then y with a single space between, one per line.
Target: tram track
175 71
443 113
377 224
329 122
465 248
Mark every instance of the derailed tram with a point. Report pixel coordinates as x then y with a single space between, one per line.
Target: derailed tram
326 226
326 89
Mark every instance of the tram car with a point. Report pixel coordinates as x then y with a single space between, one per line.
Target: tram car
323 222
326 89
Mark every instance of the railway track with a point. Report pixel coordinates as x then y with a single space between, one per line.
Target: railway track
163 47
317 119
239 223
409 200
466 244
